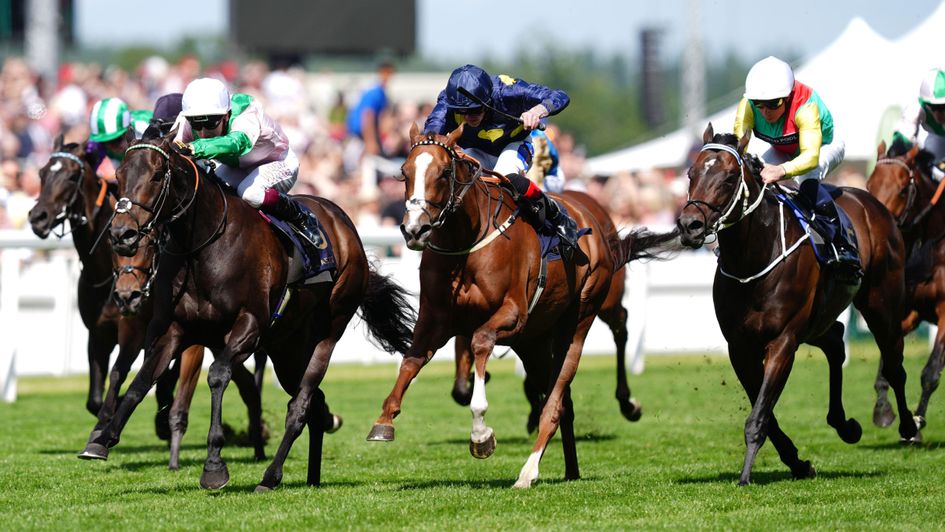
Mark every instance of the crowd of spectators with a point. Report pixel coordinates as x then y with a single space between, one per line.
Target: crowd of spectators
33 113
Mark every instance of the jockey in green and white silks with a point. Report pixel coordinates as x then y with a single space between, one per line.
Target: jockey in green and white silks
113 128
251 150
923 121
793 118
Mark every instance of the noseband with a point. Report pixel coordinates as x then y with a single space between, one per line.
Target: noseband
741 192
458 189
76 218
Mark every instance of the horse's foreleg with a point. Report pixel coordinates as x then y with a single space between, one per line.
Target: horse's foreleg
566 364
306 408
156 361
462 392
831 344
427 338
932 371
164 394
243 338
778 361
250 393
130 339
189 366
100 345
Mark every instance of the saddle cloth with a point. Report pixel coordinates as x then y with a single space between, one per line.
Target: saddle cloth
821 245
307 264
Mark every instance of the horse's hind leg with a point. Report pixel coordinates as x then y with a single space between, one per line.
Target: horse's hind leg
883 415
462 391
616 318
887 331
534 389
932 371
246 384
307 407
190 362
831 343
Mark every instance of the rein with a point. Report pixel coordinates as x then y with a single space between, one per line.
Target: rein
75 218
455 199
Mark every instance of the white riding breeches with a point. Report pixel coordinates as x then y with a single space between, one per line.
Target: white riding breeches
509 161
251 183
831 155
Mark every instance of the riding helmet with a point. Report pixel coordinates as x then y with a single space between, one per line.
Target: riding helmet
109 120
205 96
769 79
473 79
932 90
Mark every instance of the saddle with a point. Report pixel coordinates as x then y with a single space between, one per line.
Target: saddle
831 238
307 264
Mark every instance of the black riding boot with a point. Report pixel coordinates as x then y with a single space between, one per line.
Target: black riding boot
826 220
303 221
541 208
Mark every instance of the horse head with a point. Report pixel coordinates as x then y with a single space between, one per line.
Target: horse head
61 196
145 190
897 178
434 184
134 276
718 179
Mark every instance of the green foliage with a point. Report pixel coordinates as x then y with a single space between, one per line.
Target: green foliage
676 468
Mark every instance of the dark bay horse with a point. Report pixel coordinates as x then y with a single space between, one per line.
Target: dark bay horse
72 191
221 283
612 312
479 277
770 294
900 181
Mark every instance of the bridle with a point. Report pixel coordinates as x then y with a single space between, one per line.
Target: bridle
75 218
913 193
458 189
149 273
741 193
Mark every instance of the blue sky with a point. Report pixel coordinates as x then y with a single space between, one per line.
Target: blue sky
496 28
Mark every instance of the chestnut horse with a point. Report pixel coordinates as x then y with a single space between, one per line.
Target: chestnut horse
900 181
612 312
223 283
480 278
72 191
771 295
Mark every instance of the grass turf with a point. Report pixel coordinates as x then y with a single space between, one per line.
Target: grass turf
676 468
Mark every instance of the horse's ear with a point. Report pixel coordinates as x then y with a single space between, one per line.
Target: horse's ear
414 131
912 152
743 142
881 150
708 134
57 144
454 135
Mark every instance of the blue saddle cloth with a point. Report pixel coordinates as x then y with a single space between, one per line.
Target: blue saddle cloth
550 241
821 249
314 260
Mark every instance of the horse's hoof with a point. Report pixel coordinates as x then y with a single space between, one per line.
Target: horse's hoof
852 431
804 470
919 422
94 451
381 433
336 423
883 415
632 410
173 467
522 484
915 440
215 479
483 449
262 489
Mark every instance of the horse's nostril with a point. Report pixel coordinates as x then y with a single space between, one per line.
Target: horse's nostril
694 226
424 229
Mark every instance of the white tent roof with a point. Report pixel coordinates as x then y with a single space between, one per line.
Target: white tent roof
858 76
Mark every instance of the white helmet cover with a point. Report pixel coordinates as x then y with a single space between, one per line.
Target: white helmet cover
933 87
769 79
205 96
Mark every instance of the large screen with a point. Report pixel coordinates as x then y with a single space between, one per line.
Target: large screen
324 26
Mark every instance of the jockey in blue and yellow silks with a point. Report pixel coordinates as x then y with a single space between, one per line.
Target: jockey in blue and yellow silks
792 118
500 143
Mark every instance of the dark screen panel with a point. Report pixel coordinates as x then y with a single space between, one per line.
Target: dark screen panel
324 26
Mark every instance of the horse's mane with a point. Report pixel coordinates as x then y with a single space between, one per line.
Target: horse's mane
729 139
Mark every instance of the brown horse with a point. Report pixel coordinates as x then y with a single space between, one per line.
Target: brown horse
72 191
223 283
771 295
900 182
612 312
481 277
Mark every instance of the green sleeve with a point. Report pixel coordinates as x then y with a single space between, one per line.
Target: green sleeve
234 144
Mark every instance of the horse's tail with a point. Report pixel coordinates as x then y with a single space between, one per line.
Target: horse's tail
641 243
387 311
